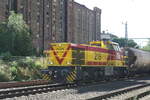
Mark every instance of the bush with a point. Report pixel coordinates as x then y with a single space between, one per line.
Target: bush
5 73
6 56
20 70
3 78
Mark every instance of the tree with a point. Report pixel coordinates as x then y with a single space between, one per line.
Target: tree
5 38
131 43
122 42
15 36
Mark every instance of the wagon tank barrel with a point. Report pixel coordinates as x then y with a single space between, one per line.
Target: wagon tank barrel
138 59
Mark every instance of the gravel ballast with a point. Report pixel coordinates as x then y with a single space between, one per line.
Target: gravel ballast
87 92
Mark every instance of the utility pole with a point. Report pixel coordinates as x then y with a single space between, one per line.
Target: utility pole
43 33
126 33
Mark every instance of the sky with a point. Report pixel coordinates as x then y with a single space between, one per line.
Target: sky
116 12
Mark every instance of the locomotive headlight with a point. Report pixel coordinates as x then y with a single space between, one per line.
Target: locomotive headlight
50 72
50 62
68 63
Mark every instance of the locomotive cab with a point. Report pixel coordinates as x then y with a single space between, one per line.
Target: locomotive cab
116 54
114 46
101 44
106 45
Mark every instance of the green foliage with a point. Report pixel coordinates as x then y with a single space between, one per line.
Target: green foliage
5 38
122 42
16 22
3 77
15 36
5 73
26 70
131 43
20 70
6 56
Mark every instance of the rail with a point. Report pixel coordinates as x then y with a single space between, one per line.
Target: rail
4 85
16 89
126 94
24 91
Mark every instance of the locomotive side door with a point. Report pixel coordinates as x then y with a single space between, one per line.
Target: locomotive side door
78 56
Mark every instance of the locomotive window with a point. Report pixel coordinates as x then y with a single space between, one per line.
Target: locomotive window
96 45
110 47
116 47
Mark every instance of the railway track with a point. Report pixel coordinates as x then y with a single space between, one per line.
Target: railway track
17 89
4 85
24 91
135 93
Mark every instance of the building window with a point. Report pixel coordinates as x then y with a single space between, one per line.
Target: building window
38 13
47 13
21 6
47 6
38 3
38 23
47 26
37 35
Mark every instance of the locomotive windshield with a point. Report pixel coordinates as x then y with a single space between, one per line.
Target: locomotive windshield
110 47
116 47
113 46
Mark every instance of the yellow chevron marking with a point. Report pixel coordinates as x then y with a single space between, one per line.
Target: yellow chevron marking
44 77
72 77
47 78
69 78
74 74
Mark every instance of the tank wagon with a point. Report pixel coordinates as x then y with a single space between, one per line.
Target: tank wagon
67 62
138 60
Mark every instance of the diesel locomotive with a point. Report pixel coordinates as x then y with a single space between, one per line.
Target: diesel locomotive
68 62
99 60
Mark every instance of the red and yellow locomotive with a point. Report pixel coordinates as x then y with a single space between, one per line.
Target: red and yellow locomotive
67 62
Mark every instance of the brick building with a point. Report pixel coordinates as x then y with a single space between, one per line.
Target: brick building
87 23
55 20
